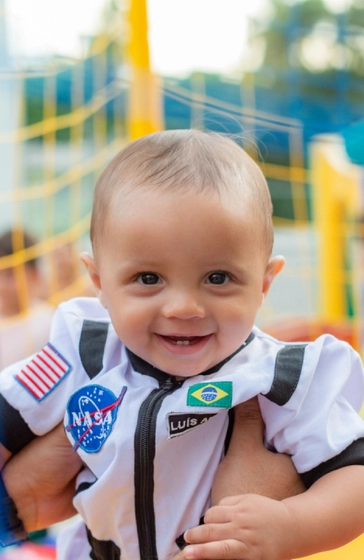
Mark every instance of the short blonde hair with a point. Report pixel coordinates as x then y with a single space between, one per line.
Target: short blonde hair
182 160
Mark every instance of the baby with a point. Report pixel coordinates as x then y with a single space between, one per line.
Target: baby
182 238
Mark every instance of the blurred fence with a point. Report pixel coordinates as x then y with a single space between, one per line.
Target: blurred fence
73 118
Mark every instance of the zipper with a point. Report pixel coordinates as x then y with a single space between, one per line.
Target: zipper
144 450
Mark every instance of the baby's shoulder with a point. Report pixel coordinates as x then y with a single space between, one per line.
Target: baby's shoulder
86 308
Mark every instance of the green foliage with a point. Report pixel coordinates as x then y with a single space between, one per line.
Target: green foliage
310 36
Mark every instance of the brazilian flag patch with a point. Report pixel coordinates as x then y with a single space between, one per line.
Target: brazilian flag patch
211 394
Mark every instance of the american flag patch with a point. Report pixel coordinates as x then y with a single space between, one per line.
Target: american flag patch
43 372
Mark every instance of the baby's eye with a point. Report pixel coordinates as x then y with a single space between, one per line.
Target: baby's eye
218 278
148 278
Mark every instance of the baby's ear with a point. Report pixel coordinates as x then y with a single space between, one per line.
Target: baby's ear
273 268
90 264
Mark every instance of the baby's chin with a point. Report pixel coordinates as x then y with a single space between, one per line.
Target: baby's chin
184 369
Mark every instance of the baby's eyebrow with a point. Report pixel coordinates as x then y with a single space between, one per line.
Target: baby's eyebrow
137 261
137 267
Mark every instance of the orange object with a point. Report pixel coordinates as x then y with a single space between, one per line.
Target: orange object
352 551
306 330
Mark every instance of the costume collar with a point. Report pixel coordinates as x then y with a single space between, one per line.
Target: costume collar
145 368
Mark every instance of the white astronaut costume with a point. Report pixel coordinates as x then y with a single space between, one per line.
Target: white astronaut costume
151 444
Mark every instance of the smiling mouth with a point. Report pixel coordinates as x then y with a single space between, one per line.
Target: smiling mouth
183 340
183 345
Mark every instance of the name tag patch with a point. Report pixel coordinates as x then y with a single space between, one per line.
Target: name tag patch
219 394
92 412
178 423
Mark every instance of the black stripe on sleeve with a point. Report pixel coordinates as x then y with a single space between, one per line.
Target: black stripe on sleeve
14 431
92 346
352 455
102 550
287 372
84 486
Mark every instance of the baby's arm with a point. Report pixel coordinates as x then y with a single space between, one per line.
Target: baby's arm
40 476
331 512
326 516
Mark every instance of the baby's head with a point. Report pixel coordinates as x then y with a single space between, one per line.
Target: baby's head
182 236
181 161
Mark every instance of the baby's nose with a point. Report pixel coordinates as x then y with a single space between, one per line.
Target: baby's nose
183 305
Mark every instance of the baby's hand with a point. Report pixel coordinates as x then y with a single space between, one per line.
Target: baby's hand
246 527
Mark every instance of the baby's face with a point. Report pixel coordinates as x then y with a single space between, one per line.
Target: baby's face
182 276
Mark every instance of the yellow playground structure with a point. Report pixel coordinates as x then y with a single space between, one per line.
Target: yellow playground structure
60 124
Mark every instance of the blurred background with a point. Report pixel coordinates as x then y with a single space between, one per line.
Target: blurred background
81 78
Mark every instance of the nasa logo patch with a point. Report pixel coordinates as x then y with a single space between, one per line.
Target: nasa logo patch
92 412
217 394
